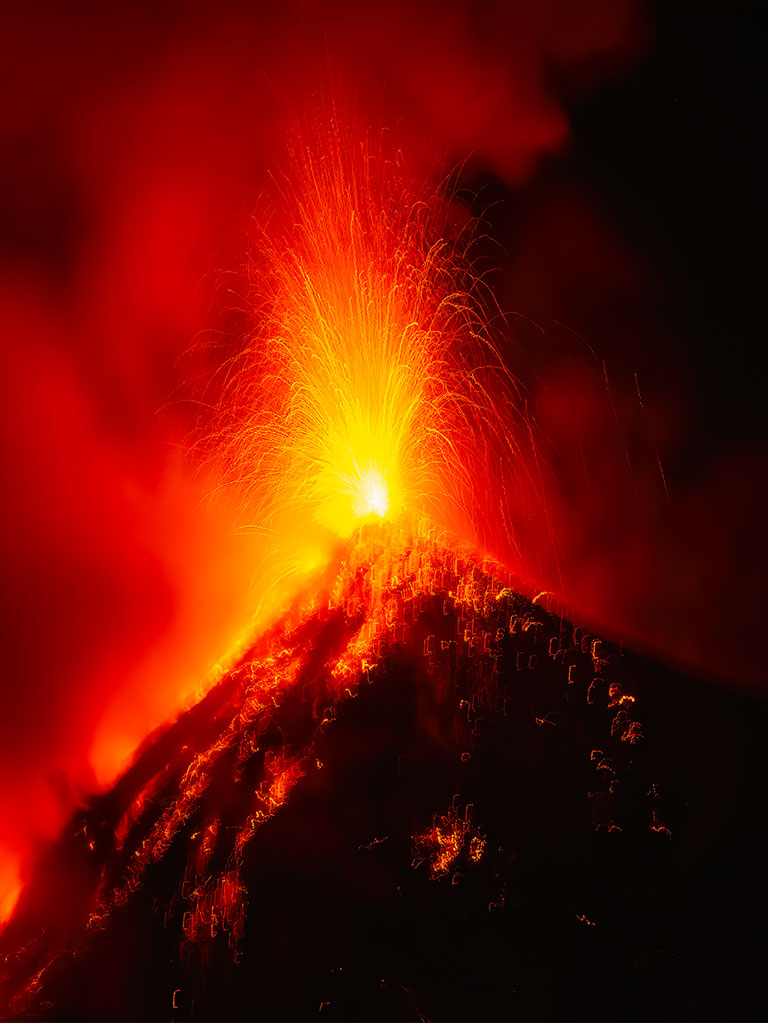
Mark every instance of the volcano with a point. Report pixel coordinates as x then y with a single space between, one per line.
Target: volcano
420 795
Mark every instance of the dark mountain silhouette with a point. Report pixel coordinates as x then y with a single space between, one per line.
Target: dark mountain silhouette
420 796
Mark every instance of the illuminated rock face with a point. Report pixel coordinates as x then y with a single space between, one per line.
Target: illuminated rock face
420 796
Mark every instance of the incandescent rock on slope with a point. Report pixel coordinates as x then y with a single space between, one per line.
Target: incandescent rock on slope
419 796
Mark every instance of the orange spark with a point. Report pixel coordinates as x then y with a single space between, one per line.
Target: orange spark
443 843
369 388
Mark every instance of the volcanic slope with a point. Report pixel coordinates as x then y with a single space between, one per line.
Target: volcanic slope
420 795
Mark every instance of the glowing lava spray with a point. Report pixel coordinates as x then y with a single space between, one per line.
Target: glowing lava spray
370 386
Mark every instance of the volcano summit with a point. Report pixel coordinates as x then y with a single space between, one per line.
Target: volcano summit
420 795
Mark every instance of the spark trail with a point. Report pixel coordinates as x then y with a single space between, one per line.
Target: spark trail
370 387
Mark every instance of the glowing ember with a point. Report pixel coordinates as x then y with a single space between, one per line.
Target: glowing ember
449 838
370 492
261 758
370 387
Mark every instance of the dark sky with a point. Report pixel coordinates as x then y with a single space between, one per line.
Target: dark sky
635 249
